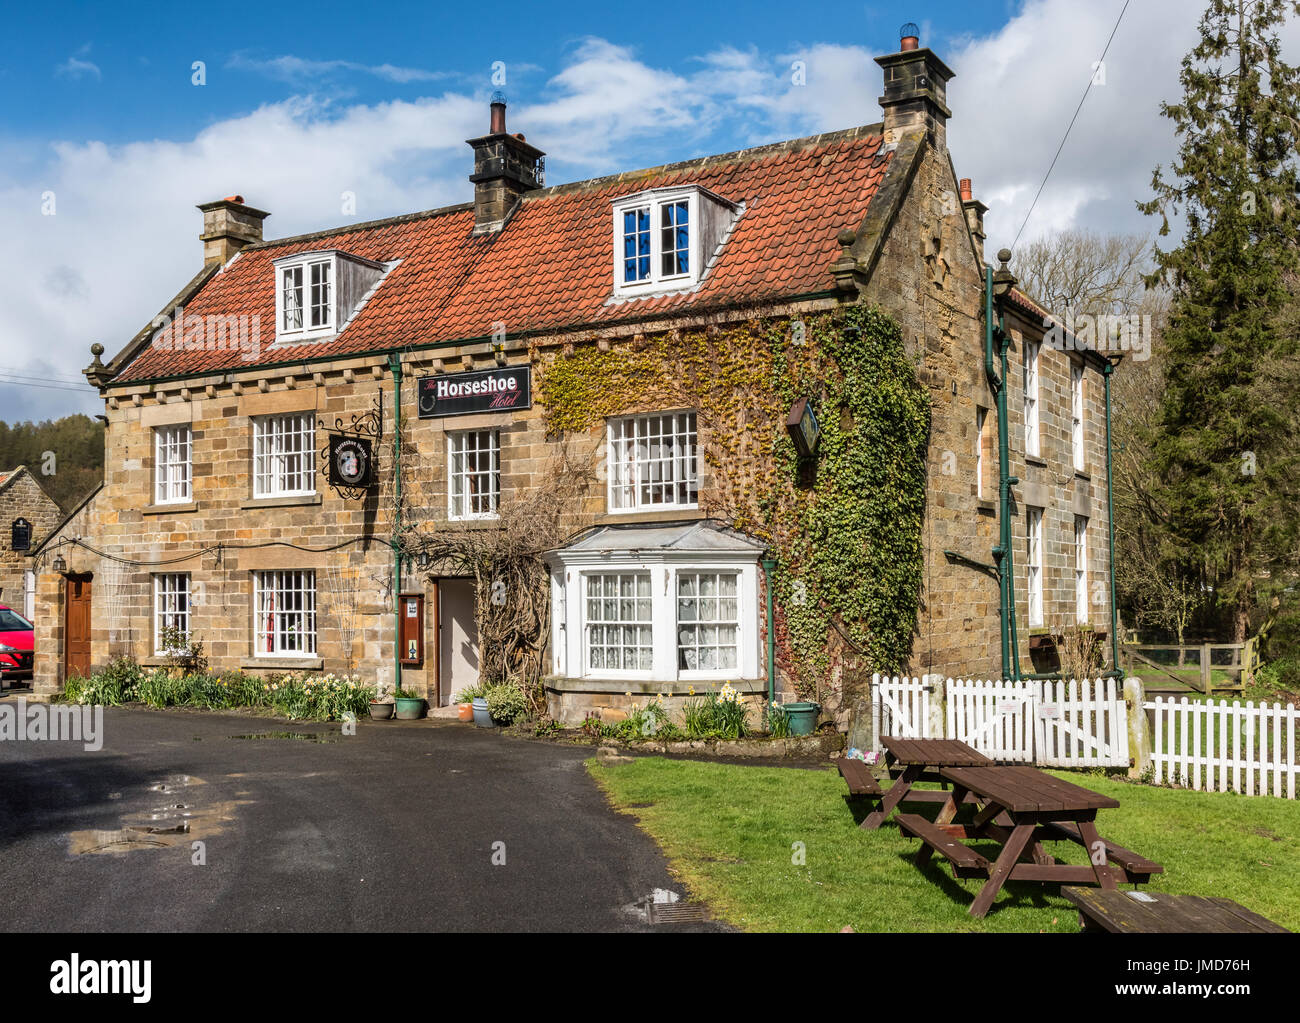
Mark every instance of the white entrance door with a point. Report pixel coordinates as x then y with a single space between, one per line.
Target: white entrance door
457 638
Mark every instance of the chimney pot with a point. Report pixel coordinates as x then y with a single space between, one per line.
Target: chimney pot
911 37
497 125
966 193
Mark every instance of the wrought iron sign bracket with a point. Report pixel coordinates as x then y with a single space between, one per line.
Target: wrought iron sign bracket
349 456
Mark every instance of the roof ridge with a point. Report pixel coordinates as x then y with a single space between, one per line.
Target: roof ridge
753 152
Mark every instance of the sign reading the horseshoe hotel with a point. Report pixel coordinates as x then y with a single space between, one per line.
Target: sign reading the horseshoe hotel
491 390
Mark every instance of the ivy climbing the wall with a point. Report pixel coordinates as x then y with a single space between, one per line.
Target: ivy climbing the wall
847 531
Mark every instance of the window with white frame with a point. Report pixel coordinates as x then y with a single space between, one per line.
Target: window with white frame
474 474
655 617
652 461
1032 446
1081 569
1034 564
619 623
653 240
305 296
284 455
1076 414
664 237
708 621
284 606
171 464
171 611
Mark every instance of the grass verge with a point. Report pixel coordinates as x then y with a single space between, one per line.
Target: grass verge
730 834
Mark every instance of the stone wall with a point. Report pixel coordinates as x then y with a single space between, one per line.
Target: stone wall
22 497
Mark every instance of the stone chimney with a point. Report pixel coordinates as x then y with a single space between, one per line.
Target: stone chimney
974 210
505 167
916 90
229 225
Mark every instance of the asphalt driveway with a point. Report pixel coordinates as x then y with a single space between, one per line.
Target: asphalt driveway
404 826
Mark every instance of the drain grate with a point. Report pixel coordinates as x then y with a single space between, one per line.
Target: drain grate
666 907
676 912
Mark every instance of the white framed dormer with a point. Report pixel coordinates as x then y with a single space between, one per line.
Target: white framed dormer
318 292
664 239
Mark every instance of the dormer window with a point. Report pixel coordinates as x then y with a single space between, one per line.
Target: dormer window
665 237
318 292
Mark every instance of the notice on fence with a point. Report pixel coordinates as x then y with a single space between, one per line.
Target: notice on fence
1009 705
1048 711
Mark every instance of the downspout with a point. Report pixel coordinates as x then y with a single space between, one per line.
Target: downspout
999 399
1110 523
1004 504
395 364
768 565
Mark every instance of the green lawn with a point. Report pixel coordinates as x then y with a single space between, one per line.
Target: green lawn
729 832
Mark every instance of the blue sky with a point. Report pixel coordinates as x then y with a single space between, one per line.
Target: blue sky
102 118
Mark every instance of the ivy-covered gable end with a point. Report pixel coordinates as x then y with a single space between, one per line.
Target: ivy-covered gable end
845 528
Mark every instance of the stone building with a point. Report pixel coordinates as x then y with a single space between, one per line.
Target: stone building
232 515
28 515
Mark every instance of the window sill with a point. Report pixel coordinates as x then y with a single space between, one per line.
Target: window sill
283 663
1083 474
1038 460
676 514
179 508
987 507
280 502
651 687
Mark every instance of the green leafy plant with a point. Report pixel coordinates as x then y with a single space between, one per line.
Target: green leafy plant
778 721
469 694
507 702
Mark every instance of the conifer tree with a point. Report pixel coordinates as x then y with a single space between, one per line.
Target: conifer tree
1224 449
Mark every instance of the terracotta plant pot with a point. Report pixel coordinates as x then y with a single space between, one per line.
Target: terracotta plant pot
381 711
464 712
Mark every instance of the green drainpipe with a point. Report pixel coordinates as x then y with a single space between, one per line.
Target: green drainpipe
769 566
999 398
1002 552
395 364
1110 523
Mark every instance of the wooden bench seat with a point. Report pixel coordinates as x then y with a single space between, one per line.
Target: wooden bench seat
966 862
1138 867
858 775
1160 913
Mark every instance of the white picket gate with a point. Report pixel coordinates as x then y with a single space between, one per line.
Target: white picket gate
1081 724
994 717
1051 724
901 707
1249 749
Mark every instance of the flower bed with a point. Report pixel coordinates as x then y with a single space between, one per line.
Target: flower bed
295 695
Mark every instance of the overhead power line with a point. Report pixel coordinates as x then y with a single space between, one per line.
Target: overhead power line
1082 99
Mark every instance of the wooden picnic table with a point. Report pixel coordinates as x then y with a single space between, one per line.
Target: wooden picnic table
909 761
1160 913
1021 807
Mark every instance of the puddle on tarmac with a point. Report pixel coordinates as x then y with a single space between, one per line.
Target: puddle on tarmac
173 821
302 736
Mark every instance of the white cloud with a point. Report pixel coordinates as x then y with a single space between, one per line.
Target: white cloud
74 67
291 69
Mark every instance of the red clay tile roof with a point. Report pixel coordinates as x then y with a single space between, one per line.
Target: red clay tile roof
551 268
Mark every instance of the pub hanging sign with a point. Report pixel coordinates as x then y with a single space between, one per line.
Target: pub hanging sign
351 464
459 394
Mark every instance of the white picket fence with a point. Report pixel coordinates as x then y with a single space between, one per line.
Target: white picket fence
1249 749
1054 724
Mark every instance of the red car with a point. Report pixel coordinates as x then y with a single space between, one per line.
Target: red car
16 636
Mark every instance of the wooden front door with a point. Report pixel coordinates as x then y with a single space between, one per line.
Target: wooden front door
76 627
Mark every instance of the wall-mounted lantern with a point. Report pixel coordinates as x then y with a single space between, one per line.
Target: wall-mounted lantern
59 564
803 428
